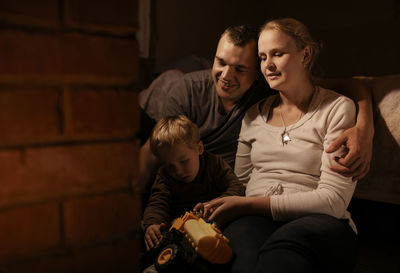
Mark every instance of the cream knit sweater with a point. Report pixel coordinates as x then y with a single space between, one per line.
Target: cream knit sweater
296 175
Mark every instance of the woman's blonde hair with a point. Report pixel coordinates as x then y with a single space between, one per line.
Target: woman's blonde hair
174 130
300 34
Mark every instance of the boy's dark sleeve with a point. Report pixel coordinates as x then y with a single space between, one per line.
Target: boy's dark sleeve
227 180
146 125
157 210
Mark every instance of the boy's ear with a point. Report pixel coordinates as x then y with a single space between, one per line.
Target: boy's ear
201 147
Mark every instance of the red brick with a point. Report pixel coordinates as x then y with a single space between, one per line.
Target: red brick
101 112
26 230
100 218
28 115
53 172
118 16
121 256
32 13
66 58
24 53
91 55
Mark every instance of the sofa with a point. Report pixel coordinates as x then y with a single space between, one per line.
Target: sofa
382 183
375 207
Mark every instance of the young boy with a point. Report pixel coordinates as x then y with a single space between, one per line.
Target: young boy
188 175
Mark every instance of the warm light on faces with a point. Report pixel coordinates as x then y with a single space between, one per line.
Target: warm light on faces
234 69
282 63
181 161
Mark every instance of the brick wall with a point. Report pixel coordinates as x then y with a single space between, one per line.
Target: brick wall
68 116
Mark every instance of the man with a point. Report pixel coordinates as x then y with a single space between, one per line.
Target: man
217 100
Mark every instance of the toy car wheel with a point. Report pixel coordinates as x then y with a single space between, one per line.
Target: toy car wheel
165 256
170 259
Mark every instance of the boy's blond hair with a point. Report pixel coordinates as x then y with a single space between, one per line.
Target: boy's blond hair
174 130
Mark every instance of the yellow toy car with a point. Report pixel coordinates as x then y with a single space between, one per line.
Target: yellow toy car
188 238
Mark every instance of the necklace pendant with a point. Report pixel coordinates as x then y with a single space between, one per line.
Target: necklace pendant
285 138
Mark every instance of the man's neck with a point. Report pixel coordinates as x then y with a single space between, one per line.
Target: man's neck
225 106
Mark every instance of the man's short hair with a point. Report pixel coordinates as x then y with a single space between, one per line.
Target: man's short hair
174 130
241 35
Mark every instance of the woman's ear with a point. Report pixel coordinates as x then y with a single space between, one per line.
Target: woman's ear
201 147
307 55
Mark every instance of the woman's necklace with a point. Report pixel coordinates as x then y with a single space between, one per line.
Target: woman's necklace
285 134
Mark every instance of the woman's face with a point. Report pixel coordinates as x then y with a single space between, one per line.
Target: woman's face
282 63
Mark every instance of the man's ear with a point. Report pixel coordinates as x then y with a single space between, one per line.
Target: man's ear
201 147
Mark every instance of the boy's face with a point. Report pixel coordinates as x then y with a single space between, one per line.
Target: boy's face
181 161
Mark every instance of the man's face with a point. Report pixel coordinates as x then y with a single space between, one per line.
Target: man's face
234 69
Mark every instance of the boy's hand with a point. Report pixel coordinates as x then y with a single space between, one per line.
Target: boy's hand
153 235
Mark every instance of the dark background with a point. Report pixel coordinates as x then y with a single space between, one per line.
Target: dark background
360 37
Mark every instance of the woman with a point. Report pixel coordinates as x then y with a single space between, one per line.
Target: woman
294 217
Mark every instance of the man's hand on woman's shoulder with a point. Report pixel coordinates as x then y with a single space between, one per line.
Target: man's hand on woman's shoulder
356 163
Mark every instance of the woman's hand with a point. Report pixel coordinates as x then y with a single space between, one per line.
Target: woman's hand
153 236
225 209
204 210
199 210
356 162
